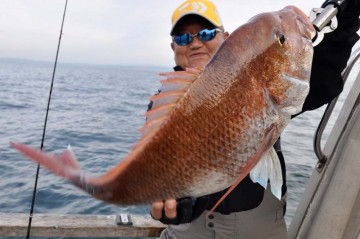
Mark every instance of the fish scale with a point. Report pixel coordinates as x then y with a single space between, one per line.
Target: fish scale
209 127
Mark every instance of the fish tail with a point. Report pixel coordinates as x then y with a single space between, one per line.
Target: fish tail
65 165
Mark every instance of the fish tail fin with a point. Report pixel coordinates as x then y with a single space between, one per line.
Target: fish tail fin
65 165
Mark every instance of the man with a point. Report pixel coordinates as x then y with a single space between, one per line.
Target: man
249 211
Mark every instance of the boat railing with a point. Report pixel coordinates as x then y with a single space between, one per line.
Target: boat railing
78 225
336 181
322 158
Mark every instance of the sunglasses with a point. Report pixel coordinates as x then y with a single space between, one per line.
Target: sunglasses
203 35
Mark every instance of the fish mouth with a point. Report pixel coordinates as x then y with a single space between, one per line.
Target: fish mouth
307 29
303 22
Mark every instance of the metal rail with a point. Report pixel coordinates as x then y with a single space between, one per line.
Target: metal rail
328 111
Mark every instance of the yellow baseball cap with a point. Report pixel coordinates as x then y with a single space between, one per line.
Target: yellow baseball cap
203 8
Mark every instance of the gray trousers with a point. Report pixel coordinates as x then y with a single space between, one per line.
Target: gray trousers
264 222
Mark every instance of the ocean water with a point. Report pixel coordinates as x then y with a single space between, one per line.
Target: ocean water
98 111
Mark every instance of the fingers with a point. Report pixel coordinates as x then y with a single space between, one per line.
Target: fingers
169 207
157 209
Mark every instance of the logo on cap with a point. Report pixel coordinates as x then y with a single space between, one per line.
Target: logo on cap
203 8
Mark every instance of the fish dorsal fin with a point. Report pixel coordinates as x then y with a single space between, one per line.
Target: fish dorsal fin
173 88
158 112
179 80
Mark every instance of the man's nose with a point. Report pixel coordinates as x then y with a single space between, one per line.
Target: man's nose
196 42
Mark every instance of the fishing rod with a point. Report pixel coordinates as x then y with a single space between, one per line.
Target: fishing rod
45 123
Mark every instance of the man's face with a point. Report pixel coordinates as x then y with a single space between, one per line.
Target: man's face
197 53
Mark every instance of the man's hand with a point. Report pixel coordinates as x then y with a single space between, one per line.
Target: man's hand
160 207
183 210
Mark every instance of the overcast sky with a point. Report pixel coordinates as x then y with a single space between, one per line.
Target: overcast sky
109 31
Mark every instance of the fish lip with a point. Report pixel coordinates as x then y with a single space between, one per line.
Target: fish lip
308 42
310 31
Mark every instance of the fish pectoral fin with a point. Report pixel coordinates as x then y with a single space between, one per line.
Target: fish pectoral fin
260 174
268 168
65 165
251 163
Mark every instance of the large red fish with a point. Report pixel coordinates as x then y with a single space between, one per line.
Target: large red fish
209 128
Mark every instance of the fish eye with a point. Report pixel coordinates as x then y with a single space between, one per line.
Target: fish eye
280 39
